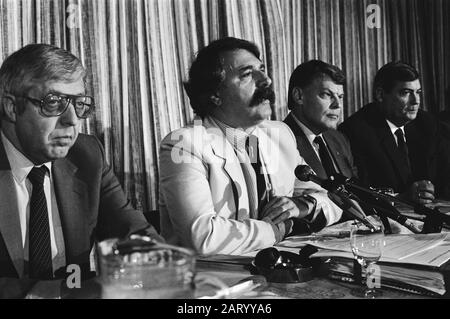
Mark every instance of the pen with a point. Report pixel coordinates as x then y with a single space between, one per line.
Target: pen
234 291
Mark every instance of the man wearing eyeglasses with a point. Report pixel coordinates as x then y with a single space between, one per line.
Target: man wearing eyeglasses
57 193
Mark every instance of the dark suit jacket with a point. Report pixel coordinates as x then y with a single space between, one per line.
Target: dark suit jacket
337 143
375 151
91 203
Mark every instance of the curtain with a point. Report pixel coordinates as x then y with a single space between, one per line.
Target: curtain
138 54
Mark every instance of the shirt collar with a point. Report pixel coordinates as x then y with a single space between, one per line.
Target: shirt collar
394 128
309 134
236 137
20 164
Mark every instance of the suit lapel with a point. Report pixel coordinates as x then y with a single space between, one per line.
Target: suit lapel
388 143
418 148
72 199
9 214
337 153
305 148
231 165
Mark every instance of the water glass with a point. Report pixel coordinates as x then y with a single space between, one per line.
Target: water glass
367 246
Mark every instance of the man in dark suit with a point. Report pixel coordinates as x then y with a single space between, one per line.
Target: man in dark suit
395 144
444 115
57 193
316 90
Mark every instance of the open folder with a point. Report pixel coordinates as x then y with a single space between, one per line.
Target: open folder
417 263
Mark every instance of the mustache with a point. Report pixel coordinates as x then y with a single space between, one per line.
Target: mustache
261 94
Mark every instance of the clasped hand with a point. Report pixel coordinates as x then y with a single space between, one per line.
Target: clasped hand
421 192
279 211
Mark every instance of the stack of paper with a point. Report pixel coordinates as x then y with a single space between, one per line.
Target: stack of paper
409 262
415 280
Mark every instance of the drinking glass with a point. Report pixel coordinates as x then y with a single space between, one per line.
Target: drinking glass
367 246
140 269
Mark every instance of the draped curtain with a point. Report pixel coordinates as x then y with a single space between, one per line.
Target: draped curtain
138 54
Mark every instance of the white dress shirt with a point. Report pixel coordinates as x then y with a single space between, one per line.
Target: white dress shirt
237 138
20 168
394 128
310 136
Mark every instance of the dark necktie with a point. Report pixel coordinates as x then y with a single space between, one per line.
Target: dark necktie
40 253
402 147
252 148
325 157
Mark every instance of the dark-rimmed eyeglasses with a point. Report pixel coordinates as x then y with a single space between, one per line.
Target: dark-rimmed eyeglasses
56 104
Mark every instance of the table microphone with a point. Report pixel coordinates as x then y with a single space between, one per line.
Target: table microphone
305 173
383 205
336 192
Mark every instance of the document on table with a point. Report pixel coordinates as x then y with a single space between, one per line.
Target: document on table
341 230
419 249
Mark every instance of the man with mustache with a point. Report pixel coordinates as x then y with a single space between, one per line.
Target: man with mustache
396 144
227 183
315 97
58 195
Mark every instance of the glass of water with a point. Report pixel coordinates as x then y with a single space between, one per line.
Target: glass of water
367 246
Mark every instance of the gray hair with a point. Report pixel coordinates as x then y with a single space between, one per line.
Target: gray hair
36 63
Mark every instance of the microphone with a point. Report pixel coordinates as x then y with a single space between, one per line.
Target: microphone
306 174
383 205
341 197
336 192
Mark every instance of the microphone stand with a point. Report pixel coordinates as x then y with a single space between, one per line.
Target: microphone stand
434 217
342 198
344 193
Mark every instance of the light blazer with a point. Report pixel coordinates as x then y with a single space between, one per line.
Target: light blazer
91 204
203 195
337 143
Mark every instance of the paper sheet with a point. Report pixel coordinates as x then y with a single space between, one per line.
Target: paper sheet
420 249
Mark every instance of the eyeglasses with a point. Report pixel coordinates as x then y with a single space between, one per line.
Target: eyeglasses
56 104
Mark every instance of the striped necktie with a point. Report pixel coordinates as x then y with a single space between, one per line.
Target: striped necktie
40 254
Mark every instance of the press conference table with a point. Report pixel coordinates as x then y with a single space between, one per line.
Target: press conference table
320 287
231 275
317 288
233 270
